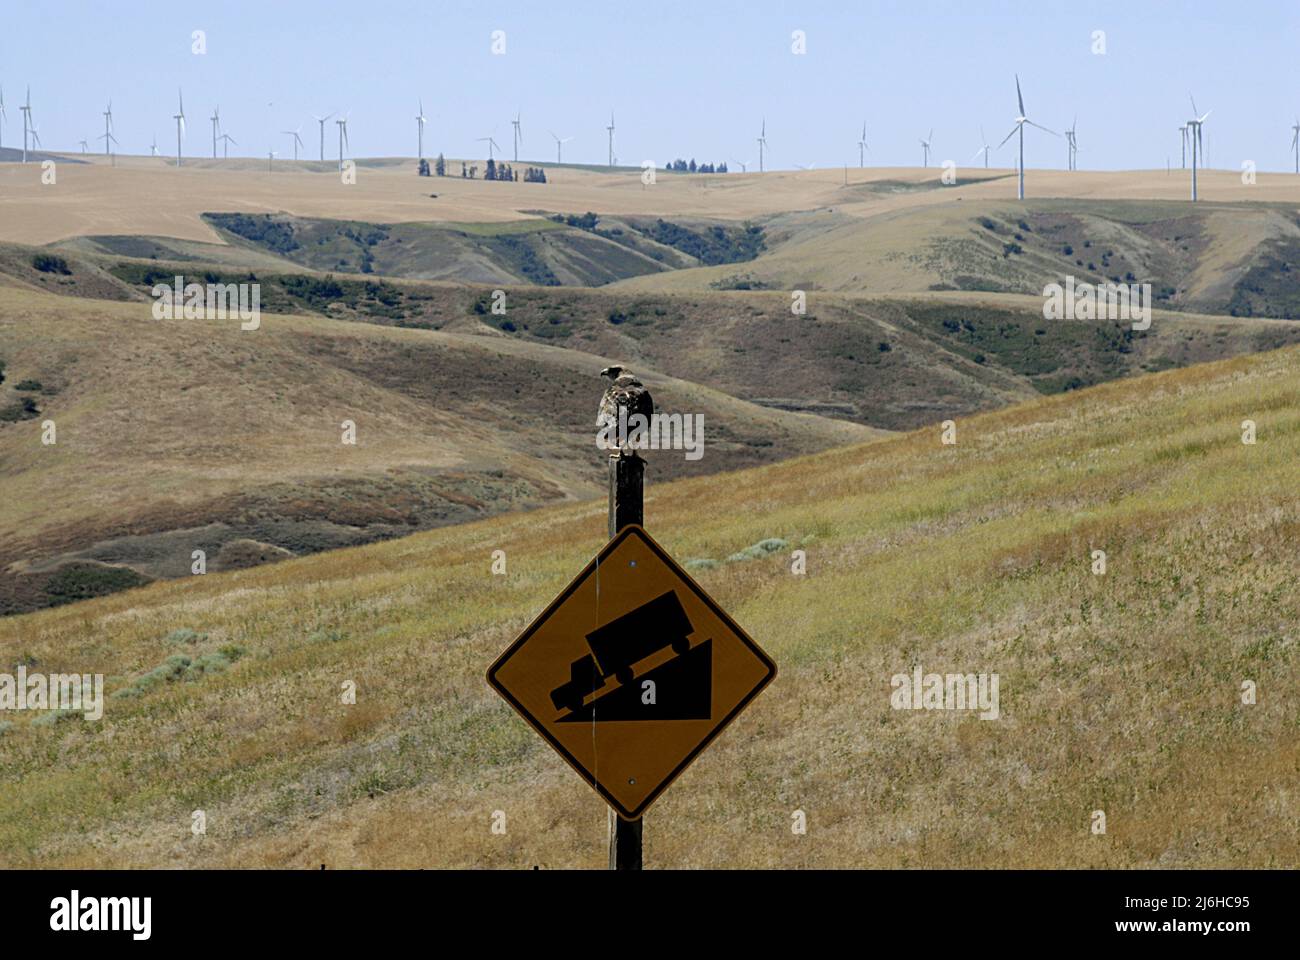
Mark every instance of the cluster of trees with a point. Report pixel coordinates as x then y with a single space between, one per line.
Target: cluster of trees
682 166
494 171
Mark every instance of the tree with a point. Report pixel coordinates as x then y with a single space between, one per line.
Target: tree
491 173
440 167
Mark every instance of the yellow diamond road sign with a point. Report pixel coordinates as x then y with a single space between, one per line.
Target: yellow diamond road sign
631 672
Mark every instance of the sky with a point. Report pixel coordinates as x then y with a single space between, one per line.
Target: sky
683 79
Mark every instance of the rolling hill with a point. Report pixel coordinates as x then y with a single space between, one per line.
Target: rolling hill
1119 692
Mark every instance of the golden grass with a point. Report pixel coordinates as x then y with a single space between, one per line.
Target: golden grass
1119 692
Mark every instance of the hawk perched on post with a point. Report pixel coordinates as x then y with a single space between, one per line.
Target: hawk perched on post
624 393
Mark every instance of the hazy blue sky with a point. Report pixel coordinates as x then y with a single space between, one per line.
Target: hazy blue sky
684 79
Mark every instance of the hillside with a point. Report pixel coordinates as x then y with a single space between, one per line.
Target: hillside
1119 692
179 435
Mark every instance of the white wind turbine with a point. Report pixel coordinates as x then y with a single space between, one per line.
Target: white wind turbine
559 146
925 148
762 144
1198 144
343 136
491 144
108 137
420 121
1295 143
153 147
519 134
744 164
270 158
1019 128
610 130
1183 131
321 121
179 117
984 149
216 123
1072 144
83 145
26 110
297 140
3 117
862 144
226 141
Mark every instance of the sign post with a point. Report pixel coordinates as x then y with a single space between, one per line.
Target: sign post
626 506
632 670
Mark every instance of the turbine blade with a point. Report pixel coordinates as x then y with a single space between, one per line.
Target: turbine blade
1009 135
1041 127
1019 98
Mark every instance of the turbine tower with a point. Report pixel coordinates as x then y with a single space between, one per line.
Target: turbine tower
420 121
744 164
2 115
1198 144
297 140
559 146
108 137
270 159
519 135
321 121
153 147
610 128
984 149
26 109
1072 144
491 144
226 141
1183 131
84 145
179 117
862 144
1019 128
343 138
1295 143
762 144
925 148
216 122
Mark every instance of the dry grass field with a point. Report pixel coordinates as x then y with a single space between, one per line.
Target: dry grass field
1119 692
149 197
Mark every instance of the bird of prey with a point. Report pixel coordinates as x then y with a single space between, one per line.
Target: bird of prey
624 398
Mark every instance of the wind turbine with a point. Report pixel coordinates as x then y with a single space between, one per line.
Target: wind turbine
744 164
491 143
1019 128
321 121
2 115
343 137
1072 144
762 144
1183 131
862 144
297 140
26 110
519 135
984 149
1194 134
925 147
420 121
216 122
270 157
1295 143
179 117
559 146
83 145
36 138
226 141
108 137
610 128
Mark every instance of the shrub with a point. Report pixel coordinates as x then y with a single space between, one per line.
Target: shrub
48 263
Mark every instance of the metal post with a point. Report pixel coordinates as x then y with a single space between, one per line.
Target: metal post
626 489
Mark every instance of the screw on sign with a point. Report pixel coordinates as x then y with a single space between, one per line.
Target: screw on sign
631 672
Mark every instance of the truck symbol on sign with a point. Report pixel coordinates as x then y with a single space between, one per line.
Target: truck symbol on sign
620 644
